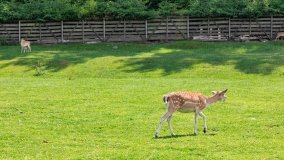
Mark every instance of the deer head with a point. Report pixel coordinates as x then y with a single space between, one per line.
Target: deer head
220 95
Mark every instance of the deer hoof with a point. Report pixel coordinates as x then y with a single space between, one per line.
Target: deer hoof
156 136
205 130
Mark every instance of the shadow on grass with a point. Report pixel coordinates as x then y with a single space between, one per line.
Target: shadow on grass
175 136
59 57
183 135
250 58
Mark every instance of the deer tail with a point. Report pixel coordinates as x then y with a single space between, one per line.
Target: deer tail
165 99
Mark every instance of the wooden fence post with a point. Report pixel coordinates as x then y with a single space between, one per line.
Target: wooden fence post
19 34
62 32
271 27
39 32
208 26
167 29
124 30
146 30
187 27
249 26
104 29
229 28
83 31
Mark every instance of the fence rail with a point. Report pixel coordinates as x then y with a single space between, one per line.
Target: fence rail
169 28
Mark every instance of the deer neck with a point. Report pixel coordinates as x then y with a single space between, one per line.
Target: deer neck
211 100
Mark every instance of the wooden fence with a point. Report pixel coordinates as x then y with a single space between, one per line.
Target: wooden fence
169 28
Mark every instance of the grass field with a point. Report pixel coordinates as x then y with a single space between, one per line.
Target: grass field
104 101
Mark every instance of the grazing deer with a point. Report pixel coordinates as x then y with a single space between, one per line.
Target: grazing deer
25 46
279 34
186 102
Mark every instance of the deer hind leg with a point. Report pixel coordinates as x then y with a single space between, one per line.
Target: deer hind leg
24 49
204 121
170 125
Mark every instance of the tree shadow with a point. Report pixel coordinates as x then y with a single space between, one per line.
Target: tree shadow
247 58
170 58
59 57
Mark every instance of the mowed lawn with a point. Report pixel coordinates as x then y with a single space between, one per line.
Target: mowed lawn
104 101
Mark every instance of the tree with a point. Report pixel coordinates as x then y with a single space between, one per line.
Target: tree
43 10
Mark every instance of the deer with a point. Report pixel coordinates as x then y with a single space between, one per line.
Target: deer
279 34
25 46
186 102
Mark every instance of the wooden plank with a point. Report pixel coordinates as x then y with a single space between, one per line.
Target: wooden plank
19 31
10 24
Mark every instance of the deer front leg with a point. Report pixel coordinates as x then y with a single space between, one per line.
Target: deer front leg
204 121
195 123
165 116
30 49
170 125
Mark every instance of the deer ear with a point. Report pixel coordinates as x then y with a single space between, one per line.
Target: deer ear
224 91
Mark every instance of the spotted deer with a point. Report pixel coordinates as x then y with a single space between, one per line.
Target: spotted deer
25 46
186 102
279 34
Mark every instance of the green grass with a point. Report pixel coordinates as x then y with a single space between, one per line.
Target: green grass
79 101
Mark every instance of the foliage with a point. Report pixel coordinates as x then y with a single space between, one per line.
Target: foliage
134 9
38 10
166 8
8 11
48 10
121 9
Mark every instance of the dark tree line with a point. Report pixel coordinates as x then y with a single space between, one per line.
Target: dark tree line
42 10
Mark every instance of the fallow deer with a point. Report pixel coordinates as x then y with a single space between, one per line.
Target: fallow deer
25 46
186 102
279 34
